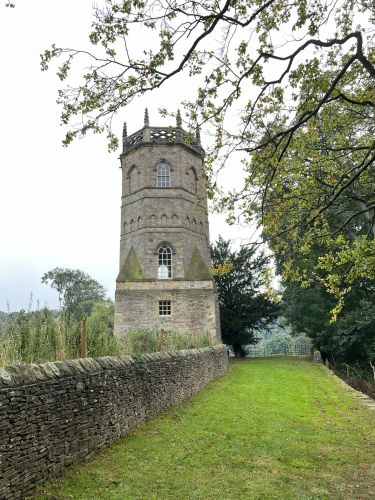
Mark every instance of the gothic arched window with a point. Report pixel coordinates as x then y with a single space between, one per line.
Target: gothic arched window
163 175
164 262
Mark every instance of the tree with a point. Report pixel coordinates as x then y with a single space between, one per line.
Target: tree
286 83
319 210
351 338
213 39
245 303
78 292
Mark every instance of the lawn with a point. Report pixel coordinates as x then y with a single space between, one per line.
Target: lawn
279 428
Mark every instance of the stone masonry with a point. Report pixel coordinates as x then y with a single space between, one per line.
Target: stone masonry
173 216
54 414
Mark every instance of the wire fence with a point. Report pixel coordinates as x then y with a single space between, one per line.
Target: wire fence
258 351
359 377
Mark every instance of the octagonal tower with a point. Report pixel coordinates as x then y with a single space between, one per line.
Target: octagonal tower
164 280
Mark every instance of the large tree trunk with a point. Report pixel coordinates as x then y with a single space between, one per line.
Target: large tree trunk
239 351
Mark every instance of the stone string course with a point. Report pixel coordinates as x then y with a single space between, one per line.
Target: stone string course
54 414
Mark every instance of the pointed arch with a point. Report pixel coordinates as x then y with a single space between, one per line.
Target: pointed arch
132 177
164 243
192 179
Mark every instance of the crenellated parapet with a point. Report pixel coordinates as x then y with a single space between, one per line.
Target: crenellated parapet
162 135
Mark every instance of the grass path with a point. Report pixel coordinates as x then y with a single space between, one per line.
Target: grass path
278 428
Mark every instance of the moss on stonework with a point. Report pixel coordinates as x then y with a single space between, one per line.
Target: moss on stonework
198 269
131 269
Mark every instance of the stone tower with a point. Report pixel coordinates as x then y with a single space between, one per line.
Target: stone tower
164 280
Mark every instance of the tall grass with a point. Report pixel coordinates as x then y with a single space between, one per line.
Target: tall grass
142 341
39 336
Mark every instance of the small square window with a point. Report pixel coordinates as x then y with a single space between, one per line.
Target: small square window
164 307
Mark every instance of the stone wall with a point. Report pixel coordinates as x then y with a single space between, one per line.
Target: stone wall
54 414
193 307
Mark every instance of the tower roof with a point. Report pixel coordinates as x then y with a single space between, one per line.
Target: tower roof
162 135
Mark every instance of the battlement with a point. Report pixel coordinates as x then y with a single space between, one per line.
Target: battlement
161 135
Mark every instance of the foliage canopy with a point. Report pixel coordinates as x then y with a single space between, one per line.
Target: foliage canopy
289 85
78 291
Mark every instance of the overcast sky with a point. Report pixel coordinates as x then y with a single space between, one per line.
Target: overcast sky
59 206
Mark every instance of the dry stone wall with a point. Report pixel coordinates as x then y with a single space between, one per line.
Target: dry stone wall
54 414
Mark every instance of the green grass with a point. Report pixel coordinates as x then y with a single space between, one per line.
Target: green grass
277 428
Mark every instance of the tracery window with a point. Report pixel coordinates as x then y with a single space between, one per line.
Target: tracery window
165 262
163 175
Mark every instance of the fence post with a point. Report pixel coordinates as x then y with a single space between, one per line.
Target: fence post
83 335
161 340
192 340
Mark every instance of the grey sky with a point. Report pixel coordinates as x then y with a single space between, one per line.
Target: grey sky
58 206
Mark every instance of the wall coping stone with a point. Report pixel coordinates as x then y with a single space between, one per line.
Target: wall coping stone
20 375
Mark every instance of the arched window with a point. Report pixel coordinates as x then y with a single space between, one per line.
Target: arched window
164 262
163 175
